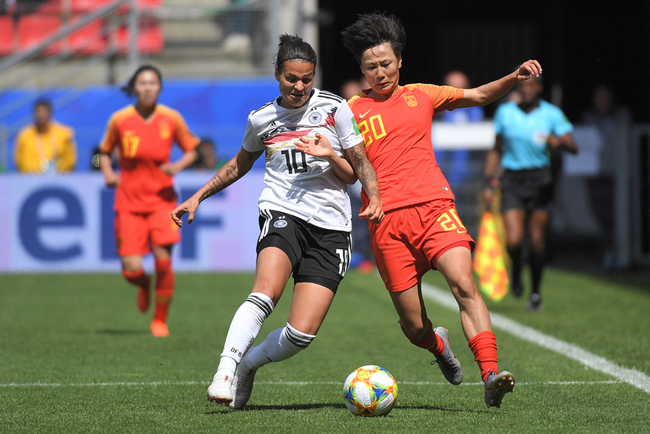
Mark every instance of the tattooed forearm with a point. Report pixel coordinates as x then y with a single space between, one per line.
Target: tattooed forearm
231 172
225 177
364 170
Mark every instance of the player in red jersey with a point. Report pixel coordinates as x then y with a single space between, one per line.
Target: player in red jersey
421 229
144 134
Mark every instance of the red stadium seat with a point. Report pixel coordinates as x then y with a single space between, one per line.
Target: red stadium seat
88 5
150 37
6 35
50 7
76 6
33 29
149 4
89 39
53 7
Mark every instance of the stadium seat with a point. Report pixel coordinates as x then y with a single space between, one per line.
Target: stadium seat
88 5
89 39
34 28
76 6
6 35
150 37
50 7
53 7
149 4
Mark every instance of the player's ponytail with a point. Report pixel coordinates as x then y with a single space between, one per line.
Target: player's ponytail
128 88
294 48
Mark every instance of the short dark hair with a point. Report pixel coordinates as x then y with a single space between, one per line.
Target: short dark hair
374 29
294 48
43 102
128 89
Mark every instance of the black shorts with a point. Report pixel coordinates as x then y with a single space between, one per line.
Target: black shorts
317 255
527 189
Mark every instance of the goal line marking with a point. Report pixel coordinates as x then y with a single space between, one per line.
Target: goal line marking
631 376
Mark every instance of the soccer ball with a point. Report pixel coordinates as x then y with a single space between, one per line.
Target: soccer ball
370 391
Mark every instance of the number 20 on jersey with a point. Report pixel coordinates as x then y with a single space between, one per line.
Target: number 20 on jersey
372 129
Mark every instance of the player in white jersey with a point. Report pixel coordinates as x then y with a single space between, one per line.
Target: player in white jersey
298 183
305 217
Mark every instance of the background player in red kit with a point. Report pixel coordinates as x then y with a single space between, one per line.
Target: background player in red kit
144 133
421 230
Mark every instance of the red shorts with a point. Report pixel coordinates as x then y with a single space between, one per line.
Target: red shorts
135 232
410 240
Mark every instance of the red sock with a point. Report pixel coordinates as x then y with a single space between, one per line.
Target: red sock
484 347
165 281
138 278
430 341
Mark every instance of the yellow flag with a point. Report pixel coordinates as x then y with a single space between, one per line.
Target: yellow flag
489 265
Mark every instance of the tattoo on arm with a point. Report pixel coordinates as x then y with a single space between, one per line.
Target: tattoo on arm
230 173
365 171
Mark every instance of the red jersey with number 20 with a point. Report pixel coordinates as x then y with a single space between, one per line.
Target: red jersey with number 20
144 145
397 135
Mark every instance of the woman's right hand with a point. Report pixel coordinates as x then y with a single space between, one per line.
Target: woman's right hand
111 179
188 207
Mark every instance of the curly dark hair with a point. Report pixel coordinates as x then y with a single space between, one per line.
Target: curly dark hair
294 48
370 30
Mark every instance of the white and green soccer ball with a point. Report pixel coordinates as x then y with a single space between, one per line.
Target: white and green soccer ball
370 391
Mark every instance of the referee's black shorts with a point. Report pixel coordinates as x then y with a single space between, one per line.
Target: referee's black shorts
317 255
527 189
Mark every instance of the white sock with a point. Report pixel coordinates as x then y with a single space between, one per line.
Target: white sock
279 345
227 366
244 327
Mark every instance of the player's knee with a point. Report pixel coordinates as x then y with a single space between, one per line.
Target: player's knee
414 331
260 304
464 287
299 339
131 264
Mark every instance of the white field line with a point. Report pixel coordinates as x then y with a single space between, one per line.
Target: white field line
444 298
282 383
597 363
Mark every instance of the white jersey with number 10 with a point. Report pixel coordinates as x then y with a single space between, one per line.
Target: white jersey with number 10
296 183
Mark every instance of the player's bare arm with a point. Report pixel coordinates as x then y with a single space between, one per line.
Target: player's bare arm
111 178
494 90
231 172
319 146
237 167
368 177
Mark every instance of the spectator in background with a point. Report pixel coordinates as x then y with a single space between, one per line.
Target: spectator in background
608 117
525 134
45 146
454 163
144 133
351 87
207 156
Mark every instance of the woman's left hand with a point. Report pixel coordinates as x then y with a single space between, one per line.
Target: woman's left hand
317 146
169 169
531 67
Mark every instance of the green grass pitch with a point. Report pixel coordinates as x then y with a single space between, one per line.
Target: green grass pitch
77 356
